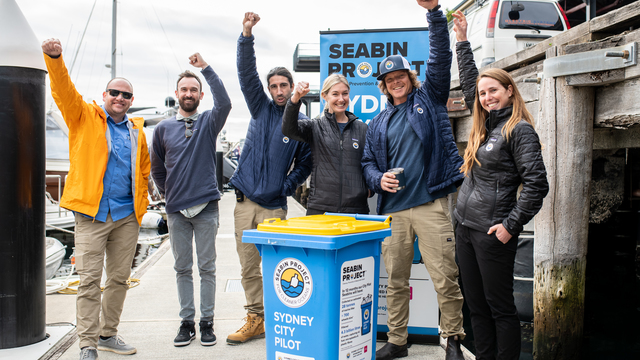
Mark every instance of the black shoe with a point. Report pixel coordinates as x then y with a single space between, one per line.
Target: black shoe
207 337
453 349
391 351
186 333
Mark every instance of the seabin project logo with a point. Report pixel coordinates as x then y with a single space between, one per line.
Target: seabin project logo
293 282
364 69
388 65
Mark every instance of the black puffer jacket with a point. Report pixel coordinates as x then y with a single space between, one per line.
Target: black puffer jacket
468 72
488 195
337 183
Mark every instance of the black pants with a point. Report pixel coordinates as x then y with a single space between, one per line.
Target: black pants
486 270
315 211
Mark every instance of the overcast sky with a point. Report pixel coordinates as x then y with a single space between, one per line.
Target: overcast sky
155 38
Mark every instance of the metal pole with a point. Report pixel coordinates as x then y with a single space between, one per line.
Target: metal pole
591 9
114 21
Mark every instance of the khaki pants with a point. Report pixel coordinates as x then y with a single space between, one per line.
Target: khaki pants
431 222
93 240
247 215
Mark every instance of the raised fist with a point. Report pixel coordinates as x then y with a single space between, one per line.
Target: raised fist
52 47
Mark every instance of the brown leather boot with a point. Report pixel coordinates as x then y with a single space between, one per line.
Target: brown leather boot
253 328
453 351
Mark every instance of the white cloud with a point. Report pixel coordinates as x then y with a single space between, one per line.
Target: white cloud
151 58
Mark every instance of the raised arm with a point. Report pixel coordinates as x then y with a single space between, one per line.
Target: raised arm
250 83
221 100
64 93
467 69
438 70
297 129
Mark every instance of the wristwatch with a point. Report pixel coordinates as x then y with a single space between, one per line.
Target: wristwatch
434 9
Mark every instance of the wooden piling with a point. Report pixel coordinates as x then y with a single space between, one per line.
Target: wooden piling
565 126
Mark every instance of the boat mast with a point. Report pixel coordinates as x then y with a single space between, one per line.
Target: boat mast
113 39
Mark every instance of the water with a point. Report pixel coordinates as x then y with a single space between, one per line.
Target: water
148 242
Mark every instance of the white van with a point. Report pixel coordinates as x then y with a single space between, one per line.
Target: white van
499 28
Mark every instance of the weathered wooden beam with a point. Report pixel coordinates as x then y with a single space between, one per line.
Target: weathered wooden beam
608 42
565 127
617 20
617 105
605 77
534 108
609 139
463 128
598 78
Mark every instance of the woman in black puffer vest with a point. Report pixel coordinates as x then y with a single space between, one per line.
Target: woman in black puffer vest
337 141
503 152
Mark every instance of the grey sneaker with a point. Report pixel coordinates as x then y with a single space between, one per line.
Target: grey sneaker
117 345
88 353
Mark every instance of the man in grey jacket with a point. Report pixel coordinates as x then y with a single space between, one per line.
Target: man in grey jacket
183 167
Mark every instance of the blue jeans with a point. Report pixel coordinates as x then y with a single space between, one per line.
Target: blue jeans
203 227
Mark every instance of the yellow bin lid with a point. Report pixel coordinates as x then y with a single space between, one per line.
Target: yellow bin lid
323 225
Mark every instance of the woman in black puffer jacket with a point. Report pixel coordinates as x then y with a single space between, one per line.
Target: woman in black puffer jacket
337 140
502 153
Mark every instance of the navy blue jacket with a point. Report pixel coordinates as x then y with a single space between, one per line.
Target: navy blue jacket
427 114
263 169
184 169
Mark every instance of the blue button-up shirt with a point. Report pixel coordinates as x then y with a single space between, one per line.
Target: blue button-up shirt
117 196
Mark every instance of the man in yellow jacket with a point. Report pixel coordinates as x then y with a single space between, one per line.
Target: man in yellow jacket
107 190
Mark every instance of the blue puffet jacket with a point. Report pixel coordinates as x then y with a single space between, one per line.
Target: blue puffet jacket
427 114
263 169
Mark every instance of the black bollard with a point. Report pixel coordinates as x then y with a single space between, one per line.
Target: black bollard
22 186
220 170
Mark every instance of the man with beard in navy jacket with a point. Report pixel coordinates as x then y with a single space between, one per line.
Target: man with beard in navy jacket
262 180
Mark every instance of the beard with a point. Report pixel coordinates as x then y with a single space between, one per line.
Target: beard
189 107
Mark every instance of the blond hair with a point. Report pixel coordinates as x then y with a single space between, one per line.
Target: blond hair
478 130
329 82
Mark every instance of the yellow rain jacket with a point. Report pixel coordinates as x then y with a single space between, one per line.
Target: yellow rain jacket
89 150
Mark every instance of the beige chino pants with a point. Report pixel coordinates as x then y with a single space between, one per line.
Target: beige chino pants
247 215
93 240
431 222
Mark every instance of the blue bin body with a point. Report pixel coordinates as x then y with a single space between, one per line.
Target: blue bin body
329 316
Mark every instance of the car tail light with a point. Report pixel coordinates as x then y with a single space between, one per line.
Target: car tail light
566 21
492 18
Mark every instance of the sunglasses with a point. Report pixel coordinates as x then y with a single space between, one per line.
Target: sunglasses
115 93
187 131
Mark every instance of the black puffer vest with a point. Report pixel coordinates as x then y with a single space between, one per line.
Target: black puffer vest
337 183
